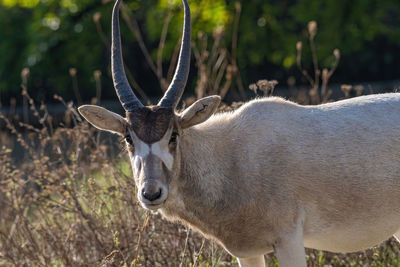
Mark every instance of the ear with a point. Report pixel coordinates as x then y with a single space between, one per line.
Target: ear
103 119
199 111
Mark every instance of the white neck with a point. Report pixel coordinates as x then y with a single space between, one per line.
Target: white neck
204 187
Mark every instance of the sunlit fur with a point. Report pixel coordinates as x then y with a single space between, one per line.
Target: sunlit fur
274 175
254 177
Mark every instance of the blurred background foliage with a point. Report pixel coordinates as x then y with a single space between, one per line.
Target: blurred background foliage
52 36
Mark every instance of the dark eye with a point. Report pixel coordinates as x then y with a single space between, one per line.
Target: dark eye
129 140
172 140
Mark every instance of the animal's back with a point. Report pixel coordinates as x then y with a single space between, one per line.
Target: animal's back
339 162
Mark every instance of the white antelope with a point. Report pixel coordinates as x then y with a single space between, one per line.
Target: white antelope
270 176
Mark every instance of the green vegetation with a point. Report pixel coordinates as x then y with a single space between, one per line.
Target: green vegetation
50 37
67 197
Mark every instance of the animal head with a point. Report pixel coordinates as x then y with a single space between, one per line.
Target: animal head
152 133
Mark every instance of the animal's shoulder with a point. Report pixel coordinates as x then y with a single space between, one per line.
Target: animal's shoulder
268 106
252 113
267 102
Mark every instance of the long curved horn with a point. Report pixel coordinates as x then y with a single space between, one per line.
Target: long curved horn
125 94
177 86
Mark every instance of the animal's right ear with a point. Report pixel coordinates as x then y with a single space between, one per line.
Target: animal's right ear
199 111
103 119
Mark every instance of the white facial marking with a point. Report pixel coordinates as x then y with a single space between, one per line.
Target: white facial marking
161 151
142 149
158 149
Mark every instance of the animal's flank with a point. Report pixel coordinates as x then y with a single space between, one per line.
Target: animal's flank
272 175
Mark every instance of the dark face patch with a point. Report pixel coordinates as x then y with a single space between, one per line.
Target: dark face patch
150 123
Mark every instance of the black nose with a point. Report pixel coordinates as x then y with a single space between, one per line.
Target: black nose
151 196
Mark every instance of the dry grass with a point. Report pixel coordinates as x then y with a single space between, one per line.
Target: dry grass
71 202
69 198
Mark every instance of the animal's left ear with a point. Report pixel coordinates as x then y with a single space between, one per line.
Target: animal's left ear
103 119
199 111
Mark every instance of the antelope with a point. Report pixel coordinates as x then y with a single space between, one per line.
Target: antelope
270 176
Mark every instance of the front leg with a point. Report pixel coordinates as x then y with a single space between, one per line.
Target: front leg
252 262
289 250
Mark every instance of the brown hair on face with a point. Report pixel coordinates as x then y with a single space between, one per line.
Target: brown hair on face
150 123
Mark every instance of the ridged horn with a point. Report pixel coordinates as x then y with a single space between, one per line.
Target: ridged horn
124 91
175 90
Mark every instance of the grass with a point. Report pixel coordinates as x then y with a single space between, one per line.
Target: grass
71 202
68 198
